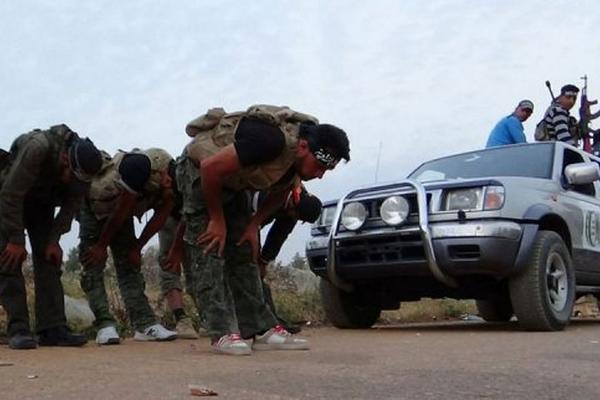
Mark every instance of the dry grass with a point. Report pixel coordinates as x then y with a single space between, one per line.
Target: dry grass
429 310
298 308
292 306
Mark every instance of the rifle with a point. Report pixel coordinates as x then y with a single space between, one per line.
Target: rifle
550 89
584 118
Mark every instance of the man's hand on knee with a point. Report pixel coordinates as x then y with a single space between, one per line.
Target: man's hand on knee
13 256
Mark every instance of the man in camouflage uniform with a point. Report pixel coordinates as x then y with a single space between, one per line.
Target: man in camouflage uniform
128 185
299 206
264 148
45 170
170 272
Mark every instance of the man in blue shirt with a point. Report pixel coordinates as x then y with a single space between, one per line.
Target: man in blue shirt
509 130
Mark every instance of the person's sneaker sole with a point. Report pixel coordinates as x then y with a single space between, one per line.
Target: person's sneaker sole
109 342
24 346
280 346
233 352
63 344
140 337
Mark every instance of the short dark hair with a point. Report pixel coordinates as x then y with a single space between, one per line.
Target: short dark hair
135 169
84 158
308 208
329 137
569 88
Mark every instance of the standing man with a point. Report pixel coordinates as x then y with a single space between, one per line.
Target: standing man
560 124
509 130
45 170
128 185
264 148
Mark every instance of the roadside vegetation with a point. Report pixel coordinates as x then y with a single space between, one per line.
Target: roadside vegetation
297 300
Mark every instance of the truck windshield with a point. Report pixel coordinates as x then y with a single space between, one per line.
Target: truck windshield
534 160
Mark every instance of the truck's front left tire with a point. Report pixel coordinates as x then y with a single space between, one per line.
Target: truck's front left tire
543 293
344 310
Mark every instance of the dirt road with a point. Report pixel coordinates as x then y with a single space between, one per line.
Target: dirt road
426 361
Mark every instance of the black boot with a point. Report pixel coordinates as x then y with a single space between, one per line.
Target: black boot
22 341
61 336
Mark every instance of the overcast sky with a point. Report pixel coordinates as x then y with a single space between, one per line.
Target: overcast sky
424 79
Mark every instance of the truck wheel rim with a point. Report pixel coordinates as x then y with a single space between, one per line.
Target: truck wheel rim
556 282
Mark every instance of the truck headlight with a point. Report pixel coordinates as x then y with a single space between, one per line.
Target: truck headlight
474 199
394 210
317 242
464 199
353 216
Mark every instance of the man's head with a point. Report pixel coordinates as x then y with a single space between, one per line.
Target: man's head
134 171
81 159
320 148
303 206
568 96
524 110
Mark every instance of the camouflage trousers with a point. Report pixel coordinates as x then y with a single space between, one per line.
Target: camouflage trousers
49 296
130 280
228 289
170 280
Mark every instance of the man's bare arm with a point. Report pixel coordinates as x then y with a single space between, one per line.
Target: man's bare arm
213 172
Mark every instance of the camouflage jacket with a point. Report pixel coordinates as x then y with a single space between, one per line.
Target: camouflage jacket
215 130
32 176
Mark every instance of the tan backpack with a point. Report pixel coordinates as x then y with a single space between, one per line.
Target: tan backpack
274 115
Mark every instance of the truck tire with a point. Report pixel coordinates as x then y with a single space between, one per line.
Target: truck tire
496 309
342 310
543 293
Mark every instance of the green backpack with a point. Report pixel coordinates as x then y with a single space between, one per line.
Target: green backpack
541 130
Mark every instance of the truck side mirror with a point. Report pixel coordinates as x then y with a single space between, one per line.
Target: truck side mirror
582 173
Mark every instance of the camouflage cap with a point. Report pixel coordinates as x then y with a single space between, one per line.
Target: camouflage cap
159 158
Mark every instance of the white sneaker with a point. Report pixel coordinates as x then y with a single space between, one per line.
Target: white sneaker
156 332
278 338
232 344
108 335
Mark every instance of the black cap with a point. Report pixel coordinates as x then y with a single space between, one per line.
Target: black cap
569 90
135 171
85 159
309 207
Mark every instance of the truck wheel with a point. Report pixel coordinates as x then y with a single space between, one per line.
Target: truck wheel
343 311
543 293
497 309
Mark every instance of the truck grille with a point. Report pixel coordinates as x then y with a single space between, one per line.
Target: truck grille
388 249
392 248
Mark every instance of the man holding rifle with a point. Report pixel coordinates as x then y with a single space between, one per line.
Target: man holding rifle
557 123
